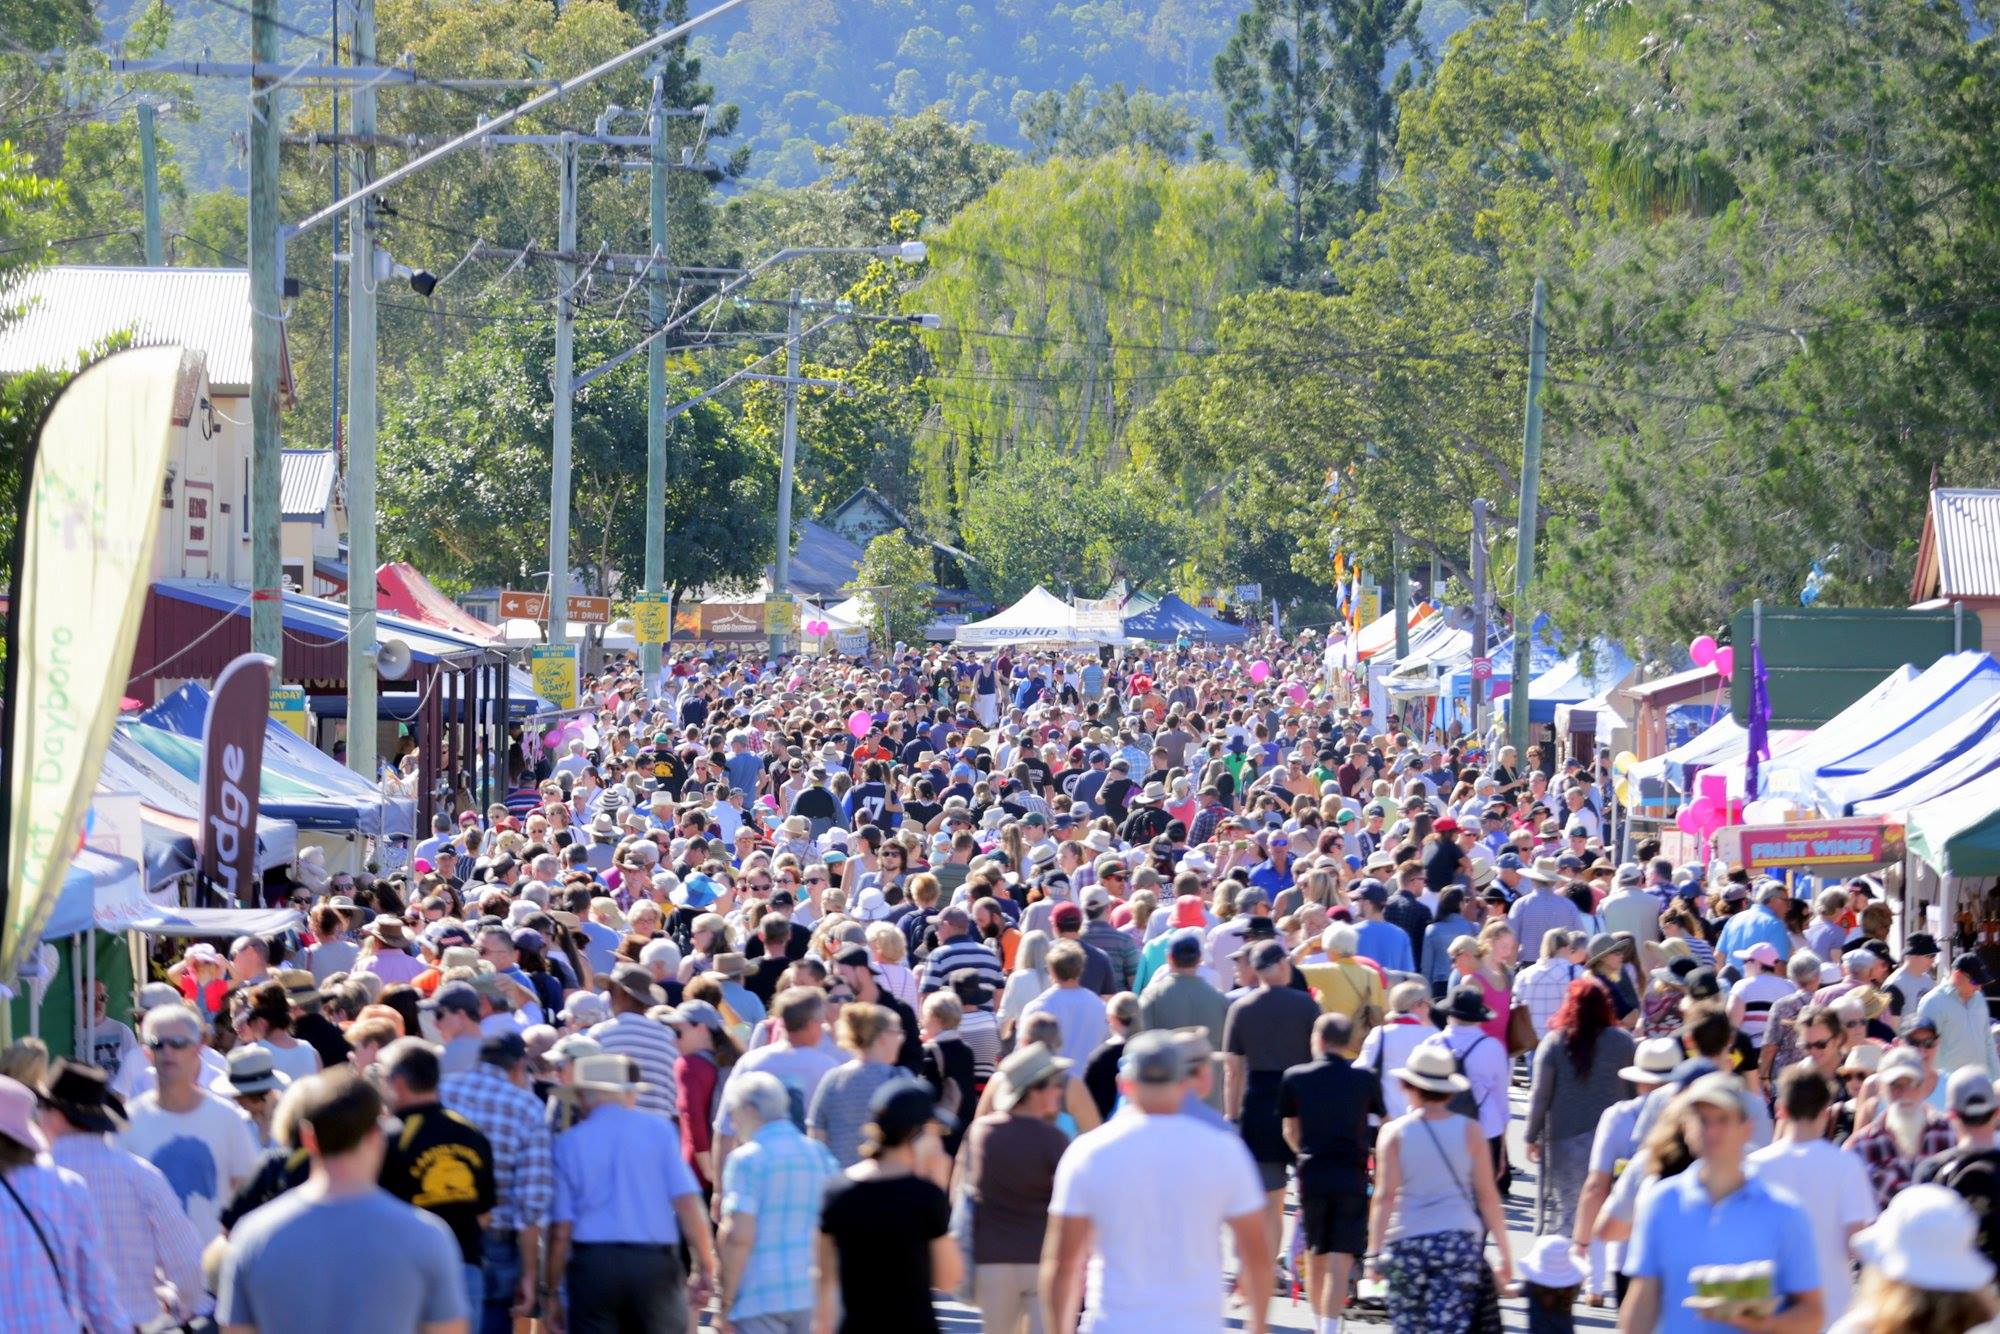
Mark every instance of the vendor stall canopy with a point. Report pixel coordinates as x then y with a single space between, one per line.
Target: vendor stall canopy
1889 720
1171 617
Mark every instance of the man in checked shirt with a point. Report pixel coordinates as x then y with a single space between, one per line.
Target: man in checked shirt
497 1098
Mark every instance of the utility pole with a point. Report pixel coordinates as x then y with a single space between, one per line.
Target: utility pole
656 377
334 278
362 721
1478 689
267 329
1531 491
565 356
1399 581
149 168
781 566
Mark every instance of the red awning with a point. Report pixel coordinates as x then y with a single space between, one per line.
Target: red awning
402 591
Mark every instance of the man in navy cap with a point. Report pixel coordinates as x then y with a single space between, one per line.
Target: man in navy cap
1379 939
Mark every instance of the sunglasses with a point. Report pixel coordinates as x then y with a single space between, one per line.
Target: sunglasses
1820 1045
1922 1045
172 1044
1855 1025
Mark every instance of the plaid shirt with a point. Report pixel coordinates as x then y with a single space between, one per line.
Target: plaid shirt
144 1234
1888 1170
524 1176
777 1178
34 1298
1541 987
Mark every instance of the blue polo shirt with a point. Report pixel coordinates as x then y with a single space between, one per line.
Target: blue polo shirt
1679 1228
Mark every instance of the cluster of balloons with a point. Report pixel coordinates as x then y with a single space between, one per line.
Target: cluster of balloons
817 629
1707 653
558 737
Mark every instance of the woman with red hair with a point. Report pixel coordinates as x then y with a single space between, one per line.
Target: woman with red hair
1577 1076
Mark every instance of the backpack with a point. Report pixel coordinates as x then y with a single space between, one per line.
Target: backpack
1465 1104
1975 1177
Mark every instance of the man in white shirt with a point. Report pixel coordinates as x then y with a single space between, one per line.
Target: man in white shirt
204 1146
1144 1199
1828 1182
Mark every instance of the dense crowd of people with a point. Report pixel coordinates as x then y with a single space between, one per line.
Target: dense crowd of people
1118 990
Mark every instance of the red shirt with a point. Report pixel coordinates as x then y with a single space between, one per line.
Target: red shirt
697 1077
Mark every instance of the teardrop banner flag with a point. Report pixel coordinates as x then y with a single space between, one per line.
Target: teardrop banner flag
89 509
232 777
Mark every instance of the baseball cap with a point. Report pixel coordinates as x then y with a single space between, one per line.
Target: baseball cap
903 1105
1970 1093
1153 1057
853 956
1066 917
459 996
1267 954
1185 947
1373 891
1971 965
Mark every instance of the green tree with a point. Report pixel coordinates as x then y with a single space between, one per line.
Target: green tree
1043 516
1069 296
1278 77
924 164
895 576
1084 122
466 471
1367 32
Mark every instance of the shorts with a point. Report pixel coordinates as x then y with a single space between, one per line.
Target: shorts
1273 1175
1336 1222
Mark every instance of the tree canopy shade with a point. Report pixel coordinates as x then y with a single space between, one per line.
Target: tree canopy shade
894 580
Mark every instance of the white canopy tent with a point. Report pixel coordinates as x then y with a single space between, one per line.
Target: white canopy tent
1040 617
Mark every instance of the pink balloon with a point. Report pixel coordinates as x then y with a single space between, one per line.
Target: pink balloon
1298 694
1260 671
1684 819
1702 649
1725 661
1704 810
859 722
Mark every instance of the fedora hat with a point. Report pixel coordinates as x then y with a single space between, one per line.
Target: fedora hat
1602 945
603 1073
1654 1062
730 965
301 987
1432 1068
251 1070
603 826
1545 871
1467 1004
1022 1071
82 1093
636 982
386 928
1154 795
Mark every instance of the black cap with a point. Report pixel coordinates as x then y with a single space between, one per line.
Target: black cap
1267 954
1259 928
1972 966
1922 943
1185 948
1878 948
459 996
854 956
903 1105
1702 984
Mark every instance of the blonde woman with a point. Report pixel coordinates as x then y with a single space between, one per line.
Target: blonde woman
1029 979
890 950
872 1035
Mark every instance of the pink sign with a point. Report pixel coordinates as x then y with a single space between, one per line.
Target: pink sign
1863 841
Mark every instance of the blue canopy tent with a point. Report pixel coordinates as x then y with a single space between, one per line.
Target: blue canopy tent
169 817
1171 617
1570 682
286 752
1967 733
1895 718
1544 652
93 877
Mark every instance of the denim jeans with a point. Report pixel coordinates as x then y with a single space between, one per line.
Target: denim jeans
475 1292
502 1271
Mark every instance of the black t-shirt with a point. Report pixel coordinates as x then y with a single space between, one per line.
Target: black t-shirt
1039 773
1271 1028
919 814
1333 1102
442 1164
1975 1175
764 974
1100 1074
882 1229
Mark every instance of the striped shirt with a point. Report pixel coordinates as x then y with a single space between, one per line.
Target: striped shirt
523 1151
143 1234
964 955
652 1047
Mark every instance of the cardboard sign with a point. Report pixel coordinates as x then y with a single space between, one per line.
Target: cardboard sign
779 616
651 620
553 670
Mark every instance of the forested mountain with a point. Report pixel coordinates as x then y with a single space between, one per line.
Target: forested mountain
796 67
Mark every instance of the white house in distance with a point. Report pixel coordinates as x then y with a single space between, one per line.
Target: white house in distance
61 313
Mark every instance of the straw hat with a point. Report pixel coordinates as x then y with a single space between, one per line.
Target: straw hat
1433 1069
603 1074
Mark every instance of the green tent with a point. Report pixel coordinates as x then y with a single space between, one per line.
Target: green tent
1959 834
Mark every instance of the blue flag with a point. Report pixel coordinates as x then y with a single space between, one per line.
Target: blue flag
1760 720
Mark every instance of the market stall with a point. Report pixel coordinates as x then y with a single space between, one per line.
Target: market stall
1040 617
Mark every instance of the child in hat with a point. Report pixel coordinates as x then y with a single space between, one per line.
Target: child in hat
1550 1278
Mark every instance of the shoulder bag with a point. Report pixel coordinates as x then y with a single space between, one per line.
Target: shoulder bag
1486 1288
62 1286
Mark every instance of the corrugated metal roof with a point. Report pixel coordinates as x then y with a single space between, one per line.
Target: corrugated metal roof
306 486
1968 542
67 309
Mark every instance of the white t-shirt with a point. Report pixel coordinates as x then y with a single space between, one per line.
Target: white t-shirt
204 1153
135 1073
1157 1190
298 1061
111 1045
1831 1184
